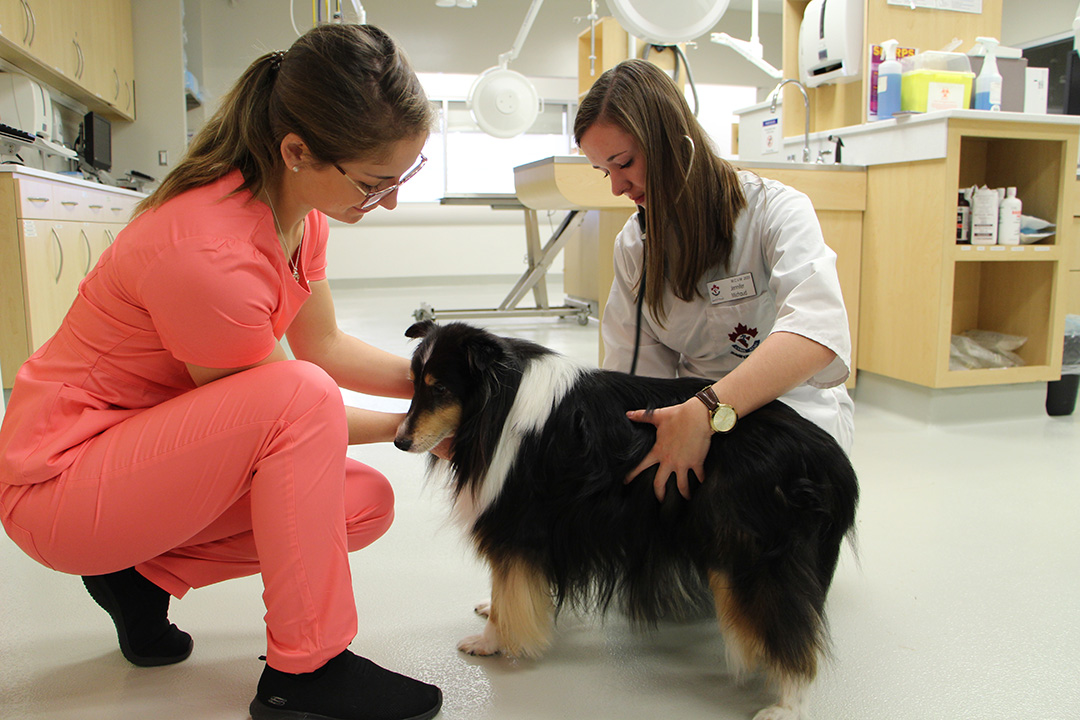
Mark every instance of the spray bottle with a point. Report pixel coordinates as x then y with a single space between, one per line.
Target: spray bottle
888 82
988 84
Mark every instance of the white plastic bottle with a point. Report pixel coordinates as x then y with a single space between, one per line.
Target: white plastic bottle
963 218
988 84
984 217
1009 219
888 82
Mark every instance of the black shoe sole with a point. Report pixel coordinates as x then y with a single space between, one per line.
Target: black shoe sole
261 711
103 596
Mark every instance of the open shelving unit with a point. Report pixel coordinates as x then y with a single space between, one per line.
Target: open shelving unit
920 287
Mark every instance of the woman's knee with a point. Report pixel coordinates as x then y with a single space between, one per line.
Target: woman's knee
301 387
369 505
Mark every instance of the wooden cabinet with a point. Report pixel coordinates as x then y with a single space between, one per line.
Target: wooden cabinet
846 104
52 234
919 287
83 48
569 182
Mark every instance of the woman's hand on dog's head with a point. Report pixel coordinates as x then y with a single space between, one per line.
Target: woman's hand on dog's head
444 449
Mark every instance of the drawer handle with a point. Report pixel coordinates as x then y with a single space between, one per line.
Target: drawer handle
96 207
68 203
31 24
60 247
110 236
80 62
38 199
116 76
89 252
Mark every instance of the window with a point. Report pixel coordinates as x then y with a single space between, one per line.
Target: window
464 160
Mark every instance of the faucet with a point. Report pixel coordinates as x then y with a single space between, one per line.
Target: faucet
775 97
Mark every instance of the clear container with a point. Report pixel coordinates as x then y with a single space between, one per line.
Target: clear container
934 60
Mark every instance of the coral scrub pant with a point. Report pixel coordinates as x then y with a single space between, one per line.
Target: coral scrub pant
244 475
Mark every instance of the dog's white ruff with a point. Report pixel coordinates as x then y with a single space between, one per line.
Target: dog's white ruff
544 383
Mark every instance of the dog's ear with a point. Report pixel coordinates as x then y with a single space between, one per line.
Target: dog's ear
483 351
420 329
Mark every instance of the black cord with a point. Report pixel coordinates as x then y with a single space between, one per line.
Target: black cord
640 296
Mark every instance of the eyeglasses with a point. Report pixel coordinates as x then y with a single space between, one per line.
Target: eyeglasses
372 195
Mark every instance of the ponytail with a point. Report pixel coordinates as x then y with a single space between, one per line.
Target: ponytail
347 90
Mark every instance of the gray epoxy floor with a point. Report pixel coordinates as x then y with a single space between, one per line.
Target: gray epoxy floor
961 603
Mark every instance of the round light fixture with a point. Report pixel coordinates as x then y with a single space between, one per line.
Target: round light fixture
503 102
663 22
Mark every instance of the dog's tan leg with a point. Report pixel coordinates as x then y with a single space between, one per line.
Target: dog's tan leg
746 650
520 615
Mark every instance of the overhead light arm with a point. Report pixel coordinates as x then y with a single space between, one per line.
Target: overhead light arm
752 49
523 33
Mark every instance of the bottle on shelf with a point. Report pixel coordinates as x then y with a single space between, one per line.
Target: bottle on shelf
988 84
984 217
1009 219
963 218
888 82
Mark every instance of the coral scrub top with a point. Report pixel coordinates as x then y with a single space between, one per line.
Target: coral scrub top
202 279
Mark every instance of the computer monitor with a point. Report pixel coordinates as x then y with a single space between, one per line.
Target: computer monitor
97 141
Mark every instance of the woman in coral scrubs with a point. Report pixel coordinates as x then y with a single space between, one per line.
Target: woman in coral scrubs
162 441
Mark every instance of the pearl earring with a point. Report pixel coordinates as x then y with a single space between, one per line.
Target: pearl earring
296 168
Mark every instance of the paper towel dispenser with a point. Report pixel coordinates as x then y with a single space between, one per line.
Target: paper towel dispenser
831 42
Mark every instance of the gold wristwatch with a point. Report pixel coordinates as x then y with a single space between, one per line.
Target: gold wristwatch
722 417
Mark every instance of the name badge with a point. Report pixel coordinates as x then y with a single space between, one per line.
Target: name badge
732 288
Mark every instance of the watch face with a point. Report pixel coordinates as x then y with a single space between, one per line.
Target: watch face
723 418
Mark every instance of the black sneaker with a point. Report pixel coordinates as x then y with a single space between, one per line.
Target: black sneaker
347 687
140 611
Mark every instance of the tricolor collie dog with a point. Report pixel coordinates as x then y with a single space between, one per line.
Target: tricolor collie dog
541 447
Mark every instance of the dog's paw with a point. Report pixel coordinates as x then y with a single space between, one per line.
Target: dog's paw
778 712
479 645
483 609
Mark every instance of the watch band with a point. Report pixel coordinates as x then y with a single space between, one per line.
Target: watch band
708 396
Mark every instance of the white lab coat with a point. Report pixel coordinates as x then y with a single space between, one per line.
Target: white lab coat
782 277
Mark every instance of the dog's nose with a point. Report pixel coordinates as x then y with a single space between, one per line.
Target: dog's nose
403 443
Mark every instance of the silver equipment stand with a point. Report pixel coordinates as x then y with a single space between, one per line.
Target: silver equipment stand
539 260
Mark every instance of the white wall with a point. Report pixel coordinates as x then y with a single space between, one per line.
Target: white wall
1026 20
437 240
433 240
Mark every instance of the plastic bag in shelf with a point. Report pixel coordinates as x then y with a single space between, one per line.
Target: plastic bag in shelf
1032 229
982 349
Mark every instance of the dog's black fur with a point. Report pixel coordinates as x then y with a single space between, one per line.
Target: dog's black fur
760 536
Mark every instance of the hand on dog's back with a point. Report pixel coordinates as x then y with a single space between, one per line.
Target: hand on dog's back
682 442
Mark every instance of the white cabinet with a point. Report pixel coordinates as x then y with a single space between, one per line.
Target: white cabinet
52 234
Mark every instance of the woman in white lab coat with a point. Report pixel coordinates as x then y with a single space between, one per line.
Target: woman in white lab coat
721 274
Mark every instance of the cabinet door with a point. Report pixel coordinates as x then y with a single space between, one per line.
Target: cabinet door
70 40
101 38
16 23
25 23
57 256
100 237
120 65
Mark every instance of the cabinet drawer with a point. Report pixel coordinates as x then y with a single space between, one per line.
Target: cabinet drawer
35 198
119 208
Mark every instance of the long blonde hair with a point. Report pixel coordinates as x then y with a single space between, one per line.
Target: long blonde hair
347 90
693 197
